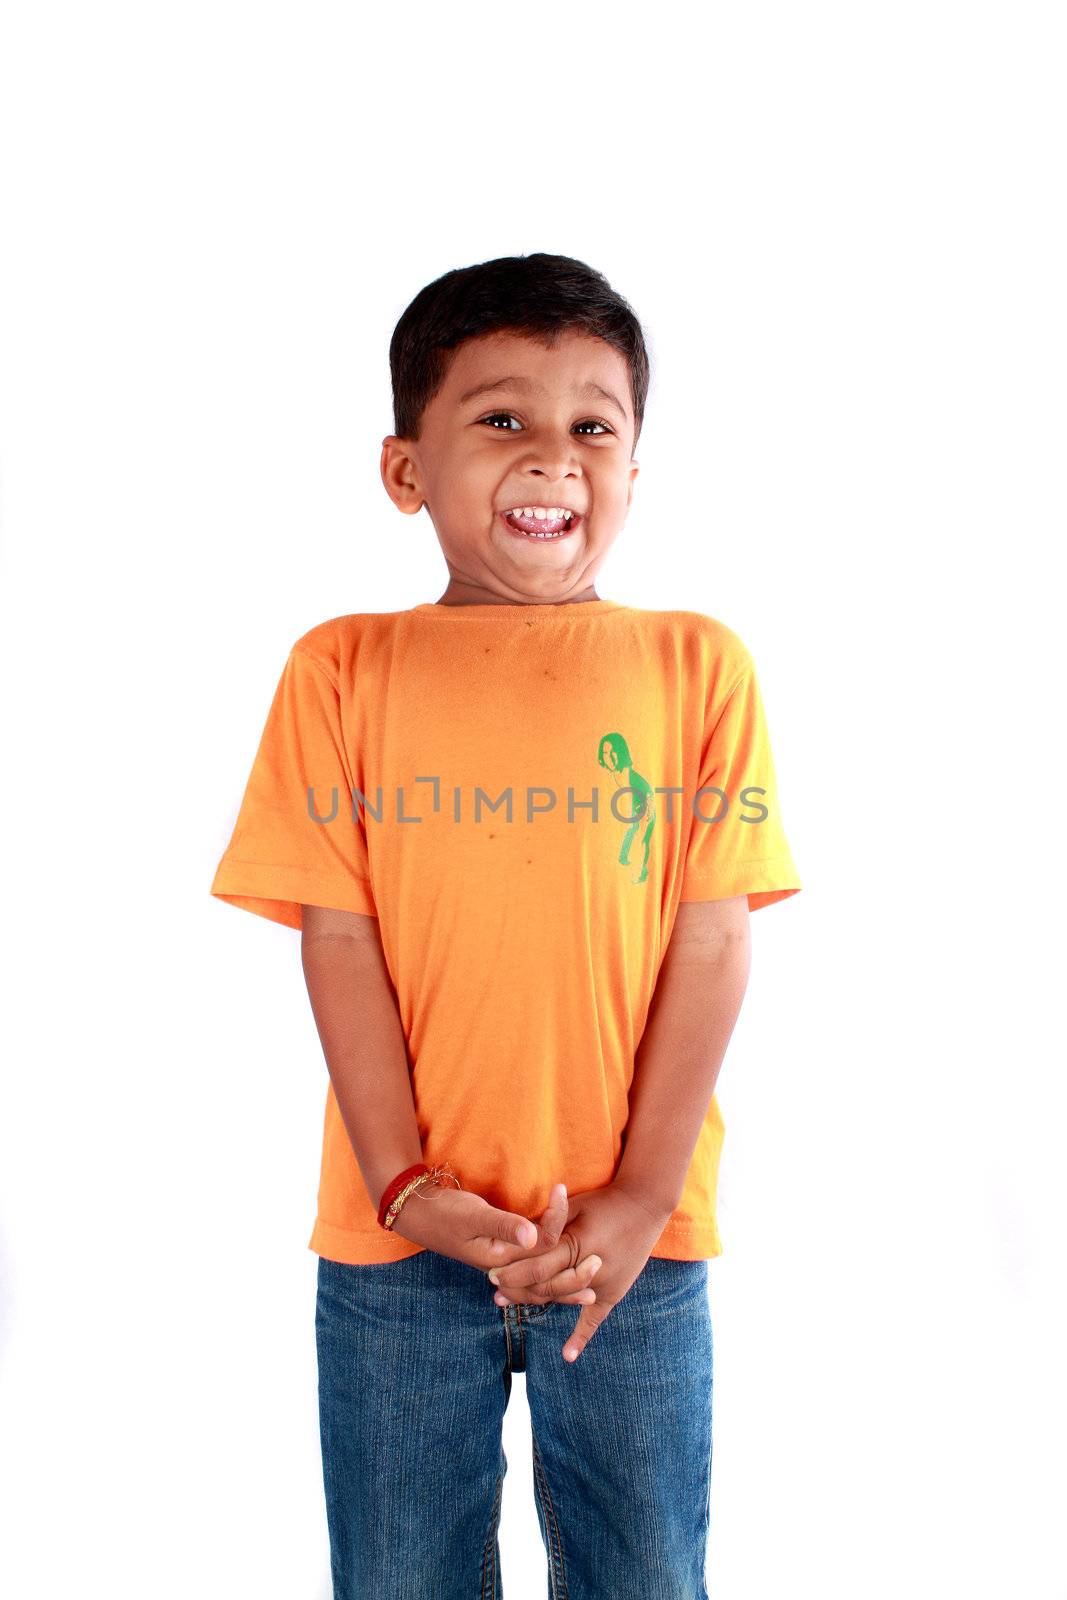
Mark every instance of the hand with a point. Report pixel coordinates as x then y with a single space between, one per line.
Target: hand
561 1276
461 1224
615 1225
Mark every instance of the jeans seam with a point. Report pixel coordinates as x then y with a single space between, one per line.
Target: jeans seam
556 1570
489 1589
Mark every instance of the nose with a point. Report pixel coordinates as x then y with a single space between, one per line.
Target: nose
554 459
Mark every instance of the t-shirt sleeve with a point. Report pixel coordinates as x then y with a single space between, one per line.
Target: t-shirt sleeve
280 857
741 848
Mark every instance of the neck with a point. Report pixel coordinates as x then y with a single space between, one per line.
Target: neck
459 593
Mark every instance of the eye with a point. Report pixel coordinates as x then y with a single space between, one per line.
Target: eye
507 416
495 416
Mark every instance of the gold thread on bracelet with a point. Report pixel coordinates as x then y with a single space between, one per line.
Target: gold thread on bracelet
434 1176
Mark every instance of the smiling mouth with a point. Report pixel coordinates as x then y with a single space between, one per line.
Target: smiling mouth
524 520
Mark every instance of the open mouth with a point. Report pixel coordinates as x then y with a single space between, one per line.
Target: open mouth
541 522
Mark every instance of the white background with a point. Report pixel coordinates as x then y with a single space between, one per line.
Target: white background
843 229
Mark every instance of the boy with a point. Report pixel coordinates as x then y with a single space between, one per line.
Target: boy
524 983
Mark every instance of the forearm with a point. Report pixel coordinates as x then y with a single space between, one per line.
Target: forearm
695 1006
355 1011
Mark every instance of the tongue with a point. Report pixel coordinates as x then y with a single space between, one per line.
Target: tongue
537 524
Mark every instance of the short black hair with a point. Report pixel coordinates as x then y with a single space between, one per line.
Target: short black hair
538 295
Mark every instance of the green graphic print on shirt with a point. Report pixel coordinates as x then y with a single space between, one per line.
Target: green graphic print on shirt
614 753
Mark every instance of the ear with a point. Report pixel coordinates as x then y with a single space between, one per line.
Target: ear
400 474
635 468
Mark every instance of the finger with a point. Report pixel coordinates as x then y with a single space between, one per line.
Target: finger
556 1287
584 1329
554 1216
551 1225
508 1228
570 1280
500 1255
581 1297
536 1271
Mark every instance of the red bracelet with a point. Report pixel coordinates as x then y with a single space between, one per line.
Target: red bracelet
394 1188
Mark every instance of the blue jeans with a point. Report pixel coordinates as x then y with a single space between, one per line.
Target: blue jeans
415 1362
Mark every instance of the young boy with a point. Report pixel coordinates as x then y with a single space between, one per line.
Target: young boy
524 982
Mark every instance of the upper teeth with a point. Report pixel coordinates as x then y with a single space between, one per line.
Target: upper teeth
543 513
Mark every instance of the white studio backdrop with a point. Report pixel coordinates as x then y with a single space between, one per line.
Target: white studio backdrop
843 229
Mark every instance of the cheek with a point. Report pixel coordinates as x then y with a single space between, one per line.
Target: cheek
611 494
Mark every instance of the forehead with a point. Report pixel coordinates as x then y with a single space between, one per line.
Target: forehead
574 365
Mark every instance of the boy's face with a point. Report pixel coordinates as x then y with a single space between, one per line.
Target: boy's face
554 430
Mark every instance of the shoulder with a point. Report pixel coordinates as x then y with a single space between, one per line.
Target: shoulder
336 645
707 644
714 636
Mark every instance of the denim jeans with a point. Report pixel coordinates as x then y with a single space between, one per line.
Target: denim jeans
414 1375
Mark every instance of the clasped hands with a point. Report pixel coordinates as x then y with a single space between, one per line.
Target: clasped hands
600 1236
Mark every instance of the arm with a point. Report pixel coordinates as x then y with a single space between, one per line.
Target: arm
699 990
356 1013
698 997
355 1010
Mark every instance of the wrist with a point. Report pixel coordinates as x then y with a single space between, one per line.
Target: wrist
660 1207
410 1185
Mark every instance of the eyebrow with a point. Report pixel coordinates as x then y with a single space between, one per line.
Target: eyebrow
589 388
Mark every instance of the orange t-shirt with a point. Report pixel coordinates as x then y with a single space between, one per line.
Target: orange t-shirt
524 906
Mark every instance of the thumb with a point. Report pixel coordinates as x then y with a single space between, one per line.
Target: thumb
544 1232
554 1216
510 1228
588 1323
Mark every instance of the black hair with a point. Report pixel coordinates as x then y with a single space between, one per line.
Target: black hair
537 295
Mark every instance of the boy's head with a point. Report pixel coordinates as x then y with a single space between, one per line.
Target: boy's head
517 383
